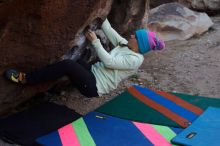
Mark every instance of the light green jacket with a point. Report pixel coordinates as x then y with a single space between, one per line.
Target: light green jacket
116 65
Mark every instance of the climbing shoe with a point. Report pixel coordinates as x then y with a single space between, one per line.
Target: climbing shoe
15 76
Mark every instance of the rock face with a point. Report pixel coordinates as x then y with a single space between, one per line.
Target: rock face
173 21
204 5
156 3
37 32
128 15
209 6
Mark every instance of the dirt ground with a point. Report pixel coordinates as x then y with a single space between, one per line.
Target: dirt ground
191 66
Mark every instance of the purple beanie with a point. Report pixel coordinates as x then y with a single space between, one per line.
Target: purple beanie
148 40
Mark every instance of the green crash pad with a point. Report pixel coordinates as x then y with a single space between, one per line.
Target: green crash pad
126 106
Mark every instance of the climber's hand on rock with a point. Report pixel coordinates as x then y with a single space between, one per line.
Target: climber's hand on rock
90 35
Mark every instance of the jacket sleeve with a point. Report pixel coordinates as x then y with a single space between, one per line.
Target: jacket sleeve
127 61
111 34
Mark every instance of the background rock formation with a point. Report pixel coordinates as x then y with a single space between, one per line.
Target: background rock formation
173 21
208 6
38 32
156 3
203 5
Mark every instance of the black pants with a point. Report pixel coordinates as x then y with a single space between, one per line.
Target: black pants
79 73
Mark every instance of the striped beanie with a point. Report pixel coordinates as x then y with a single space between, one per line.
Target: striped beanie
148 40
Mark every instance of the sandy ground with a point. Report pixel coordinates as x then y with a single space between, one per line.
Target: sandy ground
191 66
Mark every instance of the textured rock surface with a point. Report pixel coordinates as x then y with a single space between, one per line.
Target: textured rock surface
173 21
128 15
125 17
37 32
209 6
204 5
156 3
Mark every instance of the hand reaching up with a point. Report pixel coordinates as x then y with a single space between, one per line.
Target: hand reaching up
90 35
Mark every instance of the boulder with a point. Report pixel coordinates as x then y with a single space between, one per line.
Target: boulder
211 7
128 15
173 21
36 33
125 17
203 5
156 3
39 32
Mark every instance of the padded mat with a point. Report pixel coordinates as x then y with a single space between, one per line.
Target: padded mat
157 107
24 127
204 131
96 129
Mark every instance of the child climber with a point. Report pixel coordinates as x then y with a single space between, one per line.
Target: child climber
103 76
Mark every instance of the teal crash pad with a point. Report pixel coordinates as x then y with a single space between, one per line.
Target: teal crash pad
204 131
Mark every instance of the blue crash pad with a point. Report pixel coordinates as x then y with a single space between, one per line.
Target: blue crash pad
204 131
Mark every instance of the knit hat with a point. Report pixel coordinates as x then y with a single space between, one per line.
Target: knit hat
148 40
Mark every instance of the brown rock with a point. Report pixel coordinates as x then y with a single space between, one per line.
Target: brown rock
37 32
128 15
156 3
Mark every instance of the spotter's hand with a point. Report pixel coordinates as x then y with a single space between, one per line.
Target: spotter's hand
90 35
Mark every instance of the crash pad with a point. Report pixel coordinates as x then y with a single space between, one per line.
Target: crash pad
97 129
204 131
157 107
25 126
